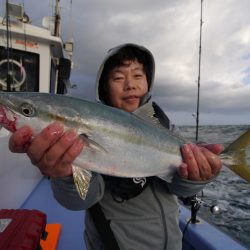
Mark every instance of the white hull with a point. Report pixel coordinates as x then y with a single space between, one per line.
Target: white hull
18 176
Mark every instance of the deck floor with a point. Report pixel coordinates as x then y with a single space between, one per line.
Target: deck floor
198 236
72 222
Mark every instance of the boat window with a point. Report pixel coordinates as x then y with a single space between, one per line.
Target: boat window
19 70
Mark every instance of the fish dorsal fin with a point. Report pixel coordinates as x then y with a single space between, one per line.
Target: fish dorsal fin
153 114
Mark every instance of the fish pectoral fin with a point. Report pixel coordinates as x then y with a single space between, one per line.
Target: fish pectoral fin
92 144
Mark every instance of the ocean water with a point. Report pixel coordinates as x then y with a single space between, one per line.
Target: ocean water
228 191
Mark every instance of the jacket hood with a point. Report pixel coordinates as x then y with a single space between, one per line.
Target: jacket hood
150 62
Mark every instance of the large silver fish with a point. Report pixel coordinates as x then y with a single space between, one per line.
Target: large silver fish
118 143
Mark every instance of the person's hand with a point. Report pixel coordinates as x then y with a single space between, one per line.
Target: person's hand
200 162
52 150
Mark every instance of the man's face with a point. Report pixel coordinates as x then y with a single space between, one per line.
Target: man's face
127 84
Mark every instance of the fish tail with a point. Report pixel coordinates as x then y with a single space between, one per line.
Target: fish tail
234 156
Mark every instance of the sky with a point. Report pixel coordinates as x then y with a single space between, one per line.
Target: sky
170 29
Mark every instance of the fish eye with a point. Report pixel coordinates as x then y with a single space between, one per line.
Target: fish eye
27 110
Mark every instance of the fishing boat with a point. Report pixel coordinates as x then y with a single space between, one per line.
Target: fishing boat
35 58
31 59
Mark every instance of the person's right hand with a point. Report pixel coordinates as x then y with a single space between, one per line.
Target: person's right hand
52 150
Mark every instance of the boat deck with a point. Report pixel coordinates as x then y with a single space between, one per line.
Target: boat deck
72 222
199 236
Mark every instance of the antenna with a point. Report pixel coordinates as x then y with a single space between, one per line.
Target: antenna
57 19
199 72
8 47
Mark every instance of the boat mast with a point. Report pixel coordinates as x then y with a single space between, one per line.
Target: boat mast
57 19
198 94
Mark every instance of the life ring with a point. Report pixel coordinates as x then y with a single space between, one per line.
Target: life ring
16 83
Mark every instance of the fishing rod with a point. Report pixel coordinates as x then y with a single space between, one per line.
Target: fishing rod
194 201
199 73
8 47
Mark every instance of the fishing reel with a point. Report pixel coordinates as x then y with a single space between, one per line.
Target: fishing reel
196 202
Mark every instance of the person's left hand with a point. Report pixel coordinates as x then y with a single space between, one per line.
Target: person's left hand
200 162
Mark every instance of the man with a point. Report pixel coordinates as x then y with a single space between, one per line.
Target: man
132 213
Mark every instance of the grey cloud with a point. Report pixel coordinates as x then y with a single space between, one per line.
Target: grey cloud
170 29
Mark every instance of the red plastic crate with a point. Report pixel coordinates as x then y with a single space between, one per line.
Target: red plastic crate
21 229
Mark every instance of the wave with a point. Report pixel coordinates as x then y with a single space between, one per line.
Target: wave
229 191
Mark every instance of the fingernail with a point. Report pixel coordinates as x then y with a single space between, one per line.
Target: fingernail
79 145
70 135
55 128
221 147
186 148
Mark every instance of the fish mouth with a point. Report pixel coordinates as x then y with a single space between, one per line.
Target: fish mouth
8 118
